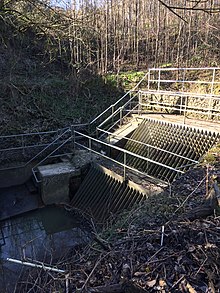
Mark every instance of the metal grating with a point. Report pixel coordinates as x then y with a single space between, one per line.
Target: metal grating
103 193
191 143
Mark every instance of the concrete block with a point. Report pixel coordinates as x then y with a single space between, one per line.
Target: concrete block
55 182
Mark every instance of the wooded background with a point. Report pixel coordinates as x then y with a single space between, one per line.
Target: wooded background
114 35
55 61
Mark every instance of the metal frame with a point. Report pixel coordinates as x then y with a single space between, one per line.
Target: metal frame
41 152
147 145
184 80
21 137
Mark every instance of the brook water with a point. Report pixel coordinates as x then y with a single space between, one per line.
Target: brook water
43 235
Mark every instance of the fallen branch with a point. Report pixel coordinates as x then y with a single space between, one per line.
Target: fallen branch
209 205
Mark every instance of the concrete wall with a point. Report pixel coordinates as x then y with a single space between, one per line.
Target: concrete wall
169 101
15 176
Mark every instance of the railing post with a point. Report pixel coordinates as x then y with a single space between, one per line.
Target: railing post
124 173
148 80
73 135
213 81
139 103
185 110
130 107
182 98
90 148
120 115
113 110
212 90
158 85
22 144
89 128
148 156
184 80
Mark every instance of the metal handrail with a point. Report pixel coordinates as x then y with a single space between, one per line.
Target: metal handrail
117 121
185 109
121 99
182 81
123 165
176 93
48 156
117 108
43 132
89 124
125 151
186 68
182 107
38 154
110 117
148 145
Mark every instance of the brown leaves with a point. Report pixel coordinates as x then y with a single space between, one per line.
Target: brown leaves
187 262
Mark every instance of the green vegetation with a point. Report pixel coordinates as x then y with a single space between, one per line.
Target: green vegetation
212 157
126 80
52 102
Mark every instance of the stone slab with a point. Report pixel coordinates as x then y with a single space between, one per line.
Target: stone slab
121 132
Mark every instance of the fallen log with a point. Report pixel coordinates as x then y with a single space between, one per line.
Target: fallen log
206 209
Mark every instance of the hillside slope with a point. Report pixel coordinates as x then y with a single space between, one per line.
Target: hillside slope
41 92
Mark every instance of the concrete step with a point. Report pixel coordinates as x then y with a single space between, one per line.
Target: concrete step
122 131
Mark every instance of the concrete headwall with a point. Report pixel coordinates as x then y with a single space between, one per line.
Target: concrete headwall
174 104
15 176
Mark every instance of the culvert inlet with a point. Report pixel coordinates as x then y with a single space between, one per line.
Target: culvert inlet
156 149
171 146
104 193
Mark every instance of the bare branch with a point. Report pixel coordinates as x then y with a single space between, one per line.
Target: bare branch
172 10
193 7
